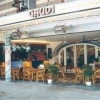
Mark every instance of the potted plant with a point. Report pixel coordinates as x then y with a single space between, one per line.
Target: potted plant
88 72
52 71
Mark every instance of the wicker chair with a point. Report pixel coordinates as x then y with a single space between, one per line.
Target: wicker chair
40 75
27 74
79 76
61 70
15 74
2 72
96 75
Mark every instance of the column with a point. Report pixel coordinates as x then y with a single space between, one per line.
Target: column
7 59
65 63
59 58
75 57
85 54
96 51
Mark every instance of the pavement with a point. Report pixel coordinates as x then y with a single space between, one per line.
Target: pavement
25 90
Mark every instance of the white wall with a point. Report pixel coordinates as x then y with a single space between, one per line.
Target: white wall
53 45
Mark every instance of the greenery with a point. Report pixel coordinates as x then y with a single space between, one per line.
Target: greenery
52 71
88 72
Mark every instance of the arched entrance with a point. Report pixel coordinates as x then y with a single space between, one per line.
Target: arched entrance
78 54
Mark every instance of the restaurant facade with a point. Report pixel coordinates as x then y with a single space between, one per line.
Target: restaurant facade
69 33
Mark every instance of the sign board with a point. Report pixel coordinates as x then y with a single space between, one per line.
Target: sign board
57 9
39 12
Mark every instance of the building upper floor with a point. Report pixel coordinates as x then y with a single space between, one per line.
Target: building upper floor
6 7
75 7
77 16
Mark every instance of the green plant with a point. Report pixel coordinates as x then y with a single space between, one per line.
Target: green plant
88 72
52 71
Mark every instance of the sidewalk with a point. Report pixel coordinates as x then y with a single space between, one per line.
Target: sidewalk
24 90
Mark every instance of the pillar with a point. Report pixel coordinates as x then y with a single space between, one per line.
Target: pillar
7 59
59 58
75 57
65 63
96 51
85 54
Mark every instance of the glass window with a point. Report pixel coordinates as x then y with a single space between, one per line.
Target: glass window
26 3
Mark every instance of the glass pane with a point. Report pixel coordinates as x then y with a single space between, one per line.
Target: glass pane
90 54
69 57
80 55
98 59
26 1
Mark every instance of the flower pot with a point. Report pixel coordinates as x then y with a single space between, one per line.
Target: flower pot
88 83
49 81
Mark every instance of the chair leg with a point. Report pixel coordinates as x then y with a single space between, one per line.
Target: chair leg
83 79
29 78
13 77
43 79
36 79
75 80
63 74
32 78
93 80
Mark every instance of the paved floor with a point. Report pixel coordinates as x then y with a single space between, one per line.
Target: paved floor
24 90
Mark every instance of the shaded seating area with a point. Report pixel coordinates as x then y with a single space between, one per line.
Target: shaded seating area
40 75
30 74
